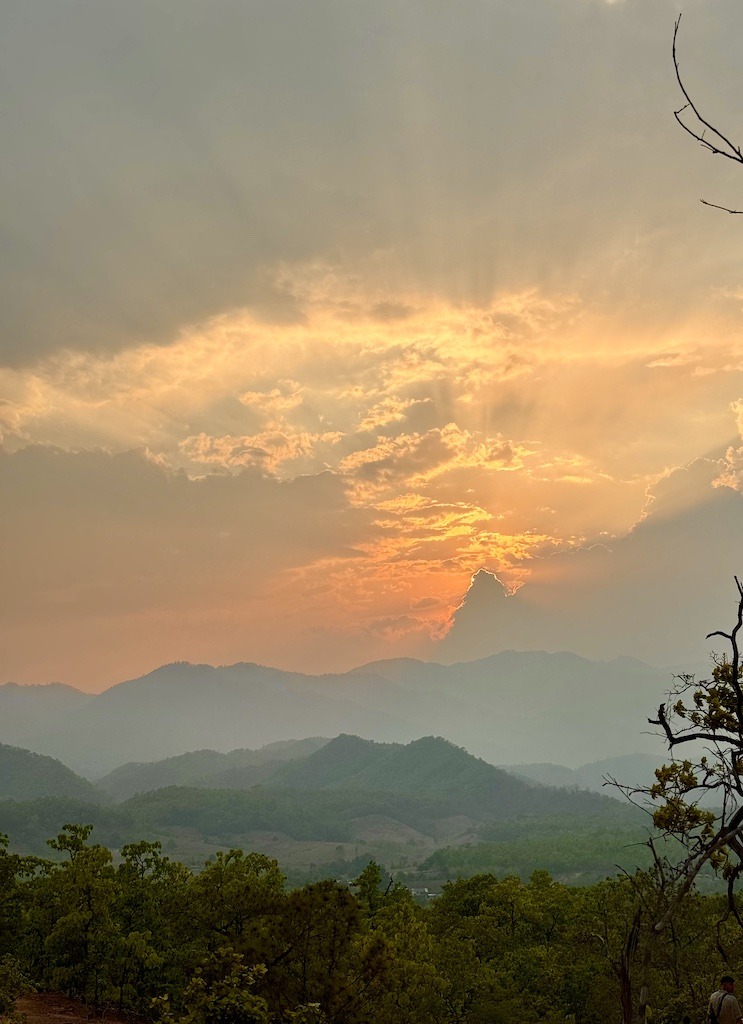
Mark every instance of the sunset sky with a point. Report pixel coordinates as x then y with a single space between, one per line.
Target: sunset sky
312 309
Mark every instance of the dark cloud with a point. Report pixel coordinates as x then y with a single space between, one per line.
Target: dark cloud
154 176
653 594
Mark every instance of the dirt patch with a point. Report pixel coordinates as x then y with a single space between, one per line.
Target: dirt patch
54 1008
376 828
457 830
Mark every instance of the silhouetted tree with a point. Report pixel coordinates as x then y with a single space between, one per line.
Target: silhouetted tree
704 720
696 124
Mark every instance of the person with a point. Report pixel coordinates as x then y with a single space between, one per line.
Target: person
723 1006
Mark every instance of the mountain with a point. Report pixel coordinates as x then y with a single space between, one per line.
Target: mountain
26 776
430 767
528 705
511 707
543 773
30 710
351 800
239 769
435 769
182 707
629 770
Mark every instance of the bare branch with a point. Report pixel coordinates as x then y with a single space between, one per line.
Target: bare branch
716 206
725 147
700 129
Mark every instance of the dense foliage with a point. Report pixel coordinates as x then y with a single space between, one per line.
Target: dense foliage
25 775
192 824
231 944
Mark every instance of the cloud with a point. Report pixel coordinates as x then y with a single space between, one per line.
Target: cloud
268 450
653 594
450 459
158 179
309 313
419 458
97 545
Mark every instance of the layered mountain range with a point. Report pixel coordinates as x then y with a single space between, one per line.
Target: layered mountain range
321 805
511 708
430 765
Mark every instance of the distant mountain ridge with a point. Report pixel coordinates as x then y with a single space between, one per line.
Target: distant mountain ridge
629 770
21 706
511 707
431 769
339 804
238 769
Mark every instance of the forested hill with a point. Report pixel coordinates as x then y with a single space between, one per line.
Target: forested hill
431 769
348 798
238 769
435 769
26 776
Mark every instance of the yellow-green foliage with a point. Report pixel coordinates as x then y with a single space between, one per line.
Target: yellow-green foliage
231 945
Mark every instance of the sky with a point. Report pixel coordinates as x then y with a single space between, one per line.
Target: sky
333 331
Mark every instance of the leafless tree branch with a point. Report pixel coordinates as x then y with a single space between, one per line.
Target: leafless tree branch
701 129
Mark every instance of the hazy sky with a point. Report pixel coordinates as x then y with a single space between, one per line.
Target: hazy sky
311 309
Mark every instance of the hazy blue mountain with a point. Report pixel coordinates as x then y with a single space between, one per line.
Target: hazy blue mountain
239 769
544 773
509 708
27 776
628 769
530 705
289 750
184 707
30 710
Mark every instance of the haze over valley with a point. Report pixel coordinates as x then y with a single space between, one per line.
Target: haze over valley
509 708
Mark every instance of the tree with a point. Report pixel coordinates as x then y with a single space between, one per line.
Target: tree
234 901
12 869
74 911
13 982
321 953
156 932
220 992
704 719
696 124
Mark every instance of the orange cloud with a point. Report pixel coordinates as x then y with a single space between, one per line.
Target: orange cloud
269 450
452 437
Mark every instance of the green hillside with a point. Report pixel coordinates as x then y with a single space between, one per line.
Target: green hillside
239 769
225 815
431 770
318 833
26 776
438 770
29 823
196 768
423 808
